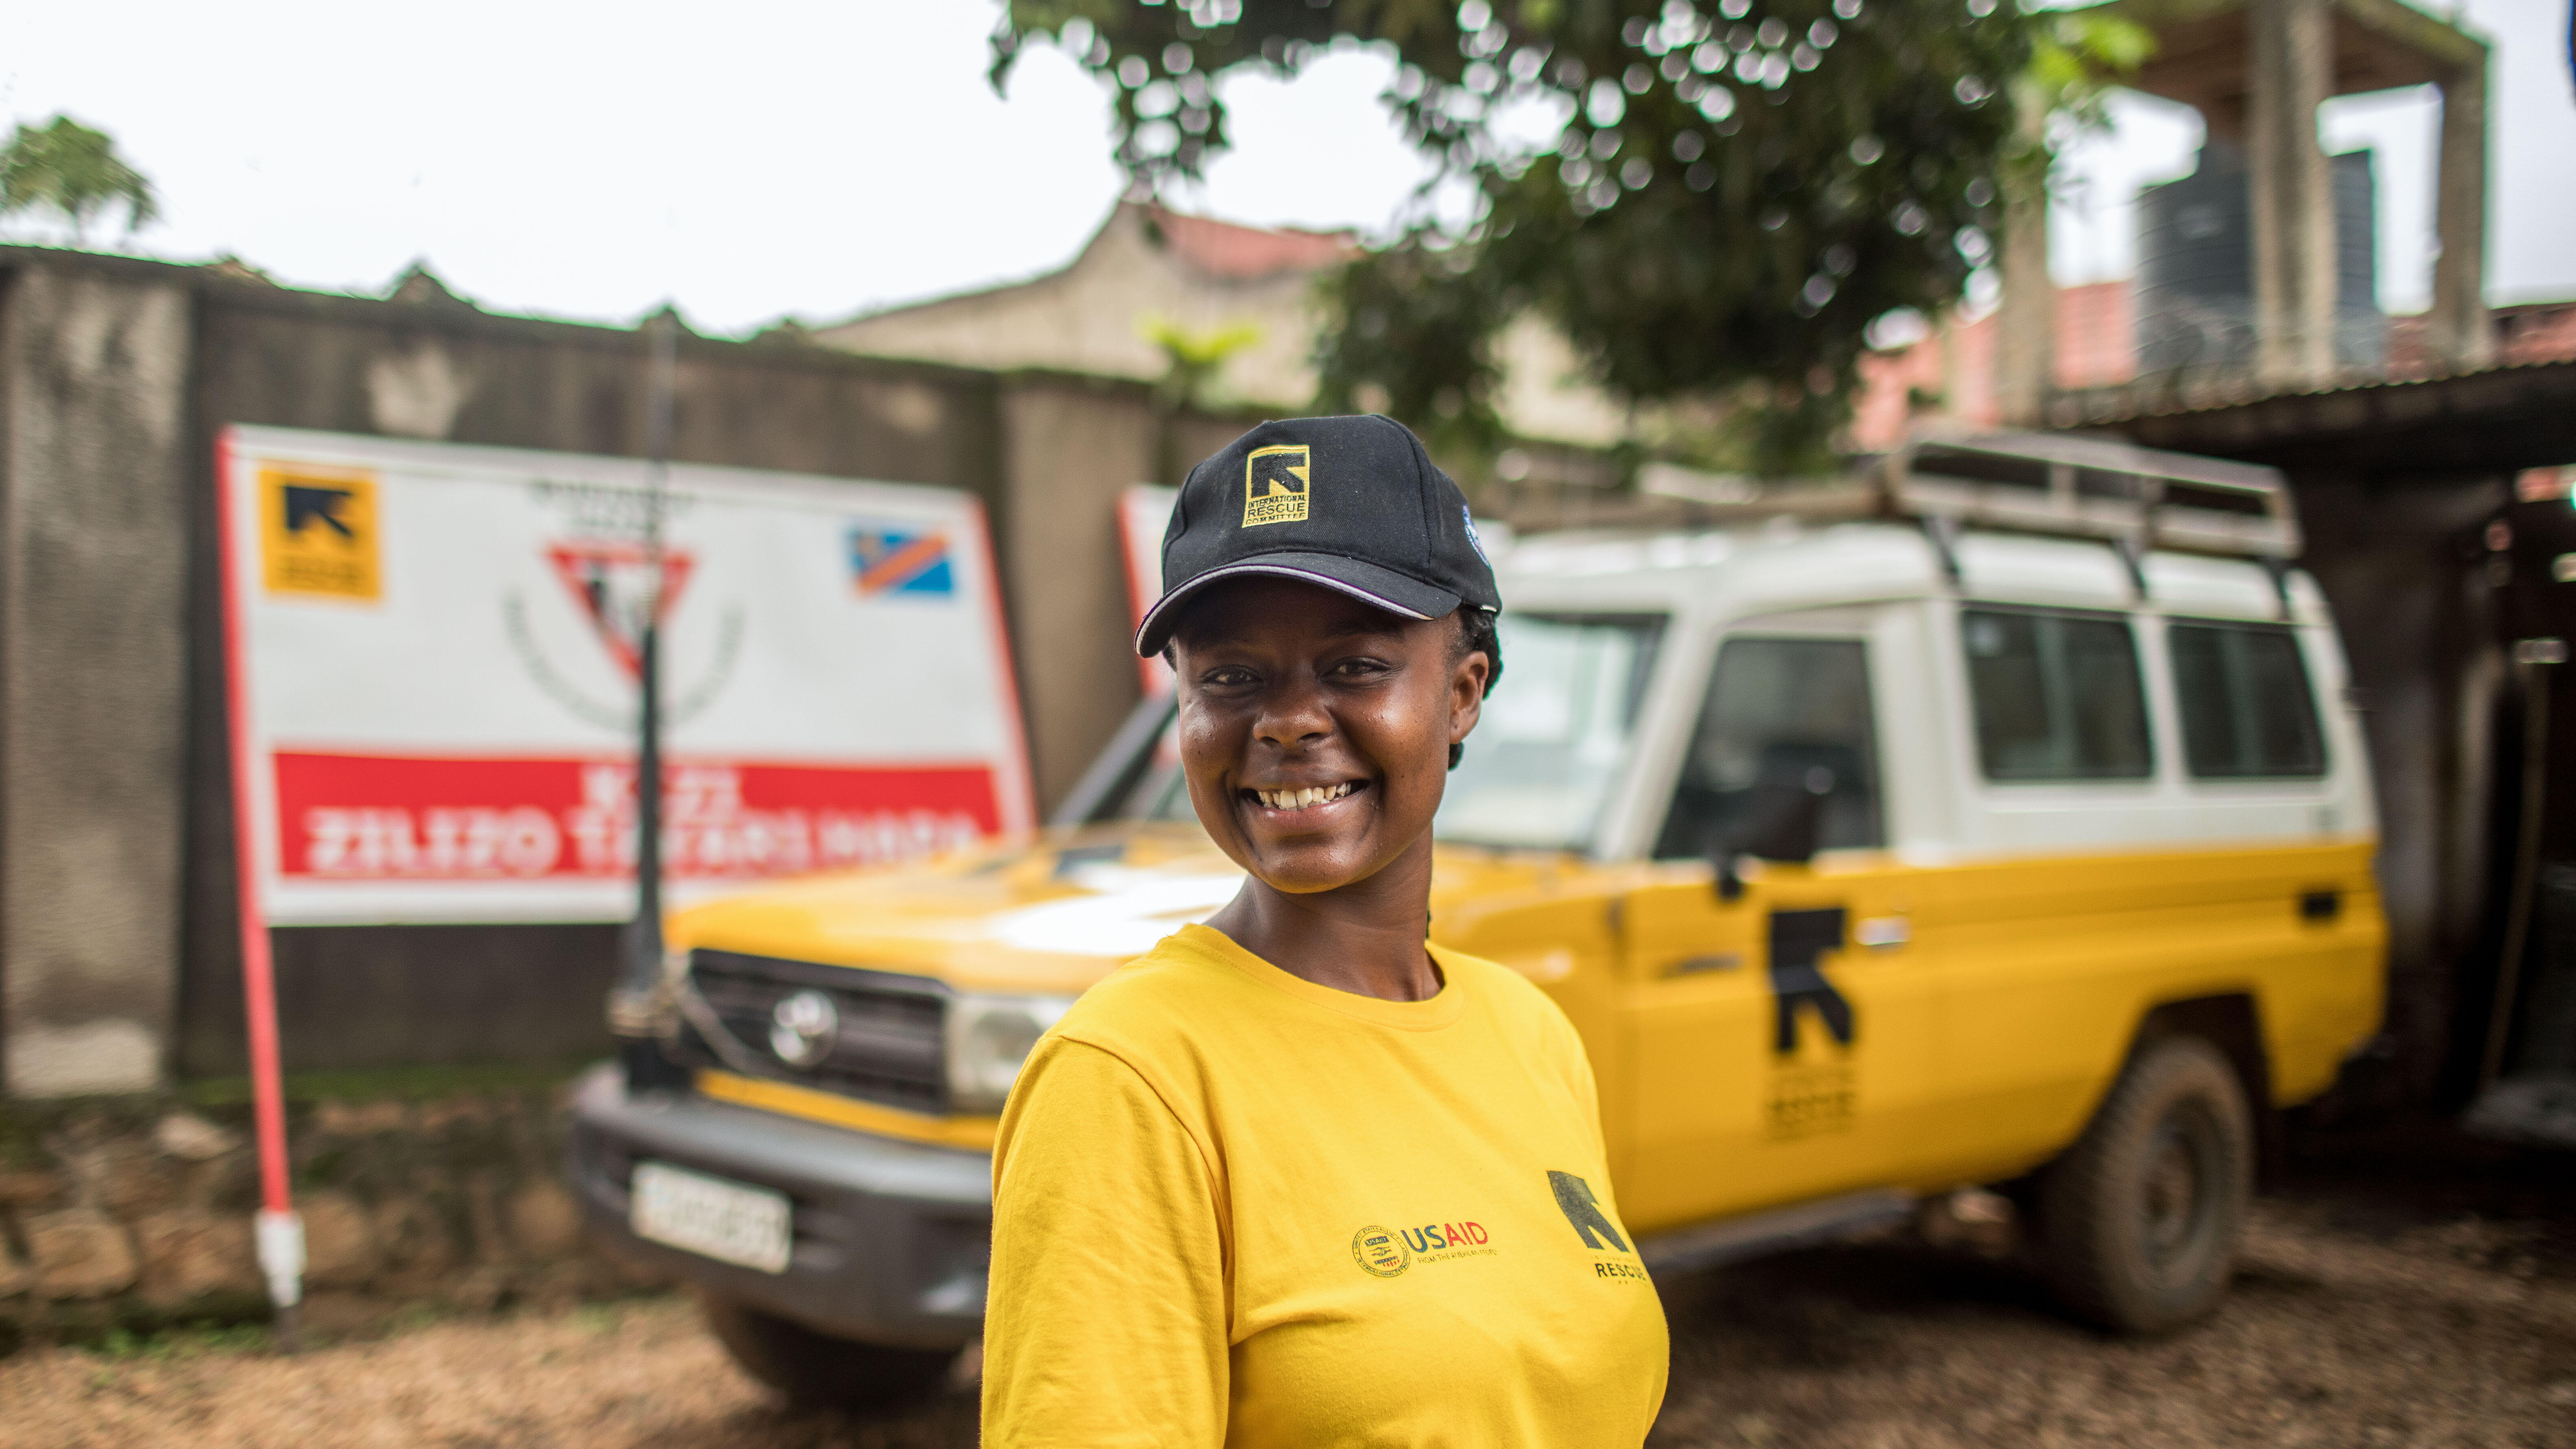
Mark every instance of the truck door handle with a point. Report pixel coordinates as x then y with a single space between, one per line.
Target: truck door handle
2320 905
1882 933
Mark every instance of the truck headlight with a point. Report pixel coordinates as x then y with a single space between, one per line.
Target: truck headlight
988 1038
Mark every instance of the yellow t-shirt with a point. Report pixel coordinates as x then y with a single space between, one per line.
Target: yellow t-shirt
1235 1207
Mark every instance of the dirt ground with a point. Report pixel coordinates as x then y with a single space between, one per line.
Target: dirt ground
2405 1290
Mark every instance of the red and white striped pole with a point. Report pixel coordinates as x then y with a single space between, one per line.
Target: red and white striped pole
279 1232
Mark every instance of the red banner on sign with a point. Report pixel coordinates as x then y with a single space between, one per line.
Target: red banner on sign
377 817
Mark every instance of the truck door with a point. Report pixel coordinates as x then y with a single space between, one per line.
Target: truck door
1769 1036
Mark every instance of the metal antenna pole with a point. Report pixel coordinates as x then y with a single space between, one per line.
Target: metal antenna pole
635 1008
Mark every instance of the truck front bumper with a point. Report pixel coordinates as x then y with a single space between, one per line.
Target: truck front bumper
891 1238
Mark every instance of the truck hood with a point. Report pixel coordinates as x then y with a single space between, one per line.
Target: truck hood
1047 915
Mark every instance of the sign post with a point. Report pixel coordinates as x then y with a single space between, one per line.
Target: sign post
277 1230
636 1005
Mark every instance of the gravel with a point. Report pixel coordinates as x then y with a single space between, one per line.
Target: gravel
2409 1292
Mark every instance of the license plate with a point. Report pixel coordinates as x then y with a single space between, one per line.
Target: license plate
730 1222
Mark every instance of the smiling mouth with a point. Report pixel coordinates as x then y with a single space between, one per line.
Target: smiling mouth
1307 798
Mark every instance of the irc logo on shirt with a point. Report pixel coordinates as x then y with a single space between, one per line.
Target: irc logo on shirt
1574 1198
1277 482
1378 1250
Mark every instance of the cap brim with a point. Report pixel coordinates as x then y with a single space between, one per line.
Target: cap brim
1367 582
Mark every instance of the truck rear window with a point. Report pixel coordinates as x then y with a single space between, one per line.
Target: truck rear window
2057 695
2246 707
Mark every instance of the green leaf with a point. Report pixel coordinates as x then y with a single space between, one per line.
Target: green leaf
68 168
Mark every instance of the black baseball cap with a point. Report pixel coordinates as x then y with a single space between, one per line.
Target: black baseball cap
1352 504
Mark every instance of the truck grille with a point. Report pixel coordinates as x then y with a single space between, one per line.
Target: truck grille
888 1043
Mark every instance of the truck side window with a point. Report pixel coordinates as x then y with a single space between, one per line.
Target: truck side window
2057 695
1779 709
2246 707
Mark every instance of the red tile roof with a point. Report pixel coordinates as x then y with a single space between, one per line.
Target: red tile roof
1223 249
2535 332
2531 332
2096 347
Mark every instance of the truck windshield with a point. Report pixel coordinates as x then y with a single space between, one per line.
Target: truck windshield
1556 732
1552 740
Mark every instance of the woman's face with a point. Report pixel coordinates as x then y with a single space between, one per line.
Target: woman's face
1289 687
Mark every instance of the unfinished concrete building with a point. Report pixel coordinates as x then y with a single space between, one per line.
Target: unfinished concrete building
2261 238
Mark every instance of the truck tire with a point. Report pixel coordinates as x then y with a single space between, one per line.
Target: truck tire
2141 1219
817 1370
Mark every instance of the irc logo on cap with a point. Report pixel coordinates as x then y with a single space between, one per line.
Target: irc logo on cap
1276 485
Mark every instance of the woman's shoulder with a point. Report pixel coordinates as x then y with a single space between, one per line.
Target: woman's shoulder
1516 1003
1150 1001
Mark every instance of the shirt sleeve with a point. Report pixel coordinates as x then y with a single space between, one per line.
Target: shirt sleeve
1575 1065
1105 1322
1587 1092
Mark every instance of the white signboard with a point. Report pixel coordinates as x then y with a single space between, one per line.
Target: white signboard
1144 512
437 648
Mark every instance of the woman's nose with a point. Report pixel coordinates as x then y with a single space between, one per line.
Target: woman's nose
1293 715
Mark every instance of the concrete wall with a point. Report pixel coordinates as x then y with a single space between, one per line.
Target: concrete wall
118 934
93 702
1068 451
2418 621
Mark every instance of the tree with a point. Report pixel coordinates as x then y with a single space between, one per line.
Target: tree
1192 360
1740 189
68 168
1192 363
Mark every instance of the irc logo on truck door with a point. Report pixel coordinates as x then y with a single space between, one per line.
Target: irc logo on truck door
1813 1029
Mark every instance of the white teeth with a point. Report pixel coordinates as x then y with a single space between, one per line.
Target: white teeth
1299 799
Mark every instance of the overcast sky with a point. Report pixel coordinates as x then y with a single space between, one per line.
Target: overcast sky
760 160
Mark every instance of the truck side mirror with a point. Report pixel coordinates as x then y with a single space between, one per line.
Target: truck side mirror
1784 819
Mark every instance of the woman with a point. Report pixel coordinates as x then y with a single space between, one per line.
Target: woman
1296 1176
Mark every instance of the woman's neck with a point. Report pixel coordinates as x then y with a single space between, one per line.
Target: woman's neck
1365 938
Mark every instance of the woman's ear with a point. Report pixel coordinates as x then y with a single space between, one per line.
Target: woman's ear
1466 700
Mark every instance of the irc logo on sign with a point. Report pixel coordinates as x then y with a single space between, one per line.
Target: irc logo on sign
1276 485
318 534
893 561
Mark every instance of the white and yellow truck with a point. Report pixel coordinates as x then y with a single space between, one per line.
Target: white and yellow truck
1994 819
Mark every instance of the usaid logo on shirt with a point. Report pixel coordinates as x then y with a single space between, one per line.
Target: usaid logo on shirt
1385 1252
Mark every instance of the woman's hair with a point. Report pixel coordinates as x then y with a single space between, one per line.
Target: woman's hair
1475 632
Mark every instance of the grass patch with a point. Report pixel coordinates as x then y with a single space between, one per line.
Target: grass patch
401 1083
195 1340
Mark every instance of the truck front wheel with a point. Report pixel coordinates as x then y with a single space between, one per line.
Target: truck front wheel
817 1370
2141 1219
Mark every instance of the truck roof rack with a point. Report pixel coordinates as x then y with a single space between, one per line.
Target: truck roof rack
2093 488
2049 483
